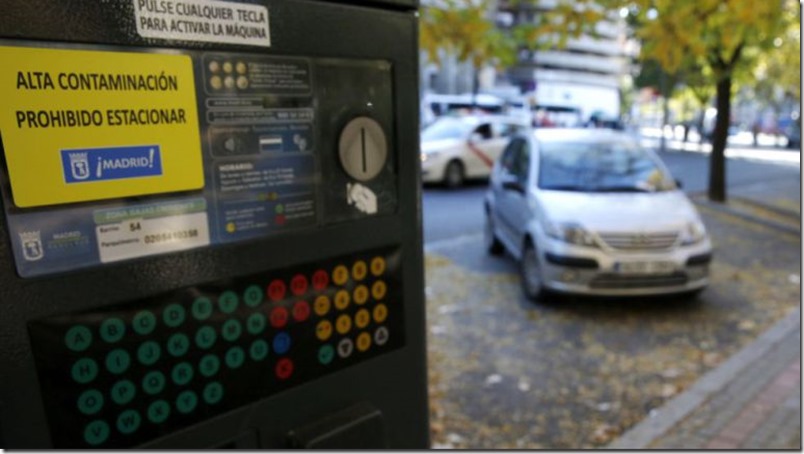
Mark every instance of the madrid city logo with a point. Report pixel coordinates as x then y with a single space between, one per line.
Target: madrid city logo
79 165
32 245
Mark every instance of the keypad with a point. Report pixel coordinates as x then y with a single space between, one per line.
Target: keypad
143 369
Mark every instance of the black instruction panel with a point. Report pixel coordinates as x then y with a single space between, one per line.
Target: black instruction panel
125 374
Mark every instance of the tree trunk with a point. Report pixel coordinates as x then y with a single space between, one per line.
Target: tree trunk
475 86
717 163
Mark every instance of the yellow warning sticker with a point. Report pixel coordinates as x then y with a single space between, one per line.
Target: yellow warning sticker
81 125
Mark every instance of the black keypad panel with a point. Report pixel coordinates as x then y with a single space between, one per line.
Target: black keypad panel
122 375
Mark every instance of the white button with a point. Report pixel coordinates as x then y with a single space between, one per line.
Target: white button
381 335
345 347
362 148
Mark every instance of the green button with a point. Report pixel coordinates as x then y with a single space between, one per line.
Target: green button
144 322
228 302
205 337
235 357
112 330
256 323
85 370
96 432
158 411
153 382
117 361
178 344
123 392
149 353
213 393
325 354
209 365
174 315
78 338
202 308
258 350
182 374
90 402
253 296
186 401
128 421
231 330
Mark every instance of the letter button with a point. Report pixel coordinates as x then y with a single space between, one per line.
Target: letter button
78 338
144 323
96 432
112 330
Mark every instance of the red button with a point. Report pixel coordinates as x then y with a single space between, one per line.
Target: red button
320 280
301 310
279 317
284 368
276 290
280 219
298 285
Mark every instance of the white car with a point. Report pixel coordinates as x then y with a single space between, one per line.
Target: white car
590 212
454 149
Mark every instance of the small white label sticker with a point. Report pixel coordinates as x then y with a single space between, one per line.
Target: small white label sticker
203 20
142 237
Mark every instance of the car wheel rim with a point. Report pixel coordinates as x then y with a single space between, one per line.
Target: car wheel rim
454 177
531 269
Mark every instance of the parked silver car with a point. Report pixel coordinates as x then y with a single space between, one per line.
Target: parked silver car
590 212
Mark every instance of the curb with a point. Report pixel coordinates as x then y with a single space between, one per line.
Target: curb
671 413
749 217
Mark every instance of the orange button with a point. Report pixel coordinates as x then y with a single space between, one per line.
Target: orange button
342 300
380 313
363 341
361 294
377 266
359 270
362 318
323 330
340 275
378 290
343 324
322 305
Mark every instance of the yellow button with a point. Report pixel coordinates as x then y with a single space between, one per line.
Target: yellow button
322 305
362 318
361 294
380 313
359 270
363 341
324 330
342 300
377 266
343 324
378 290
340 275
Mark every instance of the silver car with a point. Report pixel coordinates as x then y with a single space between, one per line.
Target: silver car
591 212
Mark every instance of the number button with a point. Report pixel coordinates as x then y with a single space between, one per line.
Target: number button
377 266
173 315
359 270
343 324
112 330
90 402
378 290
298 285
84 370
323 330
117 361
301 311
202 308
149 352
362 318
186 402
253 296
342 300
279 317
320 280
276 290
321 305
153 382
144 323
361 294
340 275
363 342
96 432
78 338
178 344
158 411
205 337
228 302
182 374
380 313
123 392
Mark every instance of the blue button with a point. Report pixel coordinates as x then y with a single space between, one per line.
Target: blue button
281 343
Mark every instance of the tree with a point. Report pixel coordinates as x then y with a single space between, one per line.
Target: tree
463 28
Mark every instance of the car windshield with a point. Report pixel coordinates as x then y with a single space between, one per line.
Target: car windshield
599 167
446 128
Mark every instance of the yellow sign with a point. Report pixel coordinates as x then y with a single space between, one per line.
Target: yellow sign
82 125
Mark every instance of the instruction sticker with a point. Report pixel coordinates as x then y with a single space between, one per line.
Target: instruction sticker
203 20
81 125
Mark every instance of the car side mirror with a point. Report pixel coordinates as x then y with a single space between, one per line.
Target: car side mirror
511 183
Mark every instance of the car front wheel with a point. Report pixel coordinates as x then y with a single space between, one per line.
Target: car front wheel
530 274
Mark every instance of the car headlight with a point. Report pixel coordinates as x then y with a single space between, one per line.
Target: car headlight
693 233
570 233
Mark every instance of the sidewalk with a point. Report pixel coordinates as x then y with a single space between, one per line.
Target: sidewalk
753 400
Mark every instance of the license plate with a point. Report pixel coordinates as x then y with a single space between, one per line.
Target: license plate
644 267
